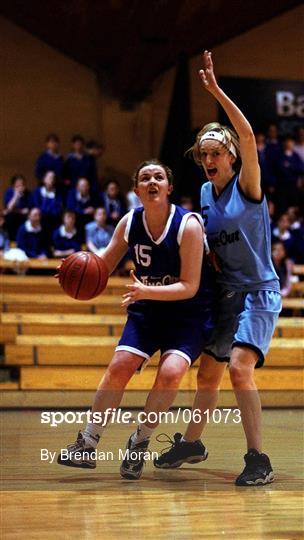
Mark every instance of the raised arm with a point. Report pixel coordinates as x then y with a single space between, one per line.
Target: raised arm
250 178
191 254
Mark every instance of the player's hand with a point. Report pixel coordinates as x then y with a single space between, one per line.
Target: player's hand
58 269
207 73
137 291
214 261
89 210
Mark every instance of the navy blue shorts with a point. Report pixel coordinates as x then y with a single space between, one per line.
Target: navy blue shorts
168 330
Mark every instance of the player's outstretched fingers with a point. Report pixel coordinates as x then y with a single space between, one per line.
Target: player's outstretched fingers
133 276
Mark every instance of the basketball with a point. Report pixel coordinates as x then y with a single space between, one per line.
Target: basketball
83 275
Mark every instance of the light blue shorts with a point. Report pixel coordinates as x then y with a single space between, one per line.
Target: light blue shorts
245 319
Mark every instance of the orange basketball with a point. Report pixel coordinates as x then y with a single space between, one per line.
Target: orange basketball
83 275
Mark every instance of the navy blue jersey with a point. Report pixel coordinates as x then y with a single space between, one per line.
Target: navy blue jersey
157 262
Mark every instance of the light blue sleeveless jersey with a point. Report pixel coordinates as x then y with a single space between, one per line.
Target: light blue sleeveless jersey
238 230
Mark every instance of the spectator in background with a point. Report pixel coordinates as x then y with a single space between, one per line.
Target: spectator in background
294 216
94 150
49 201
299 146
66 239
265 161
273 146
113 202
31 237
4 239
17 202
78 163
283 233
271 211
98 233
283 267
133 201
297 230
273 136
186 202
289 167
82 203
50 159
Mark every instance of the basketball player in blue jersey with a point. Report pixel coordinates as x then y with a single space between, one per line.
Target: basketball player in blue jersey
237 226
169 309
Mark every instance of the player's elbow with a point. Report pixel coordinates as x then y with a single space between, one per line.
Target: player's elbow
191 290
248 136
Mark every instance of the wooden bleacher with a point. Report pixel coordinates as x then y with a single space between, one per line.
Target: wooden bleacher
24 324
37 264
58 303
48 284
106 304
51 264
91 350
57 343
13 324
87 378
298 269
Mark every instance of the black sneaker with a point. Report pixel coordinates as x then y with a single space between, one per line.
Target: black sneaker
180 452
78 454
133 464
258 470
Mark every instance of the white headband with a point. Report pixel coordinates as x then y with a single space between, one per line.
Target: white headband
217 136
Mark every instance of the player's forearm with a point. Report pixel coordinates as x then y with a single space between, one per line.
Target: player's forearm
181 290
235 115
117 248
112 257
111 260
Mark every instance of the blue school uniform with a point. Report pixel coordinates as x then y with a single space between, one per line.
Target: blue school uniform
50 204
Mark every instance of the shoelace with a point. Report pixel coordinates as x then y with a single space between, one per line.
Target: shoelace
77 445
136 448
167 439
251 464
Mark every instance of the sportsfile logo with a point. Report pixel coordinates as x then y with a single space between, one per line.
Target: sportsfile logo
118 416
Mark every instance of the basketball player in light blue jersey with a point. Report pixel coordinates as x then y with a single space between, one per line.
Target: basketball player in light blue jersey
238 231
170 309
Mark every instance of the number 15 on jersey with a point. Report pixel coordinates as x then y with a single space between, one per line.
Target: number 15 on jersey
142 254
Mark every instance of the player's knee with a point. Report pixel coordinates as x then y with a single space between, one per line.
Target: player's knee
169 378
241 375
208 379
118 372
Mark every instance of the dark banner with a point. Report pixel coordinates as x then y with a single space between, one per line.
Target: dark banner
266 101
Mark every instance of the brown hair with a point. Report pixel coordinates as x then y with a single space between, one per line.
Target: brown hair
153 161
68 213
229 135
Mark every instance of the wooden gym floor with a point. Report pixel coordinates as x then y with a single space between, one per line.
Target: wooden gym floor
45 501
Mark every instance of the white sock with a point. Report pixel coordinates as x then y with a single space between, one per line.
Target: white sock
92 433
142 433
186 440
